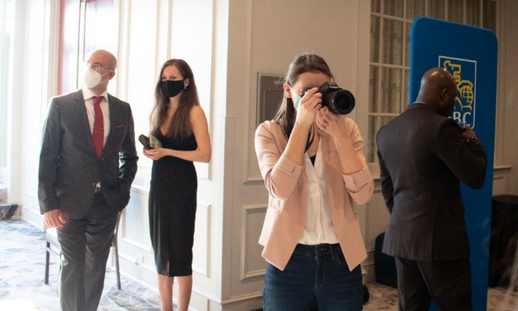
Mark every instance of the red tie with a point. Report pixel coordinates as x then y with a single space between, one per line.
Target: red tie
98 132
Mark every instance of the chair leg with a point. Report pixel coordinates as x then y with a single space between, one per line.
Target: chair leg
117 269
115 247
47 259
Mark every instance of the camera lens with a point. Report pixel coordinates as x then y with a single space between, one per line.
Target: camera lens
343 101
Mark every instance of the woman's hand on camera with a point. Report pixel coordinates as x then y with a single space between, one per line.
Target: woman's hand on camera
308 107
330 123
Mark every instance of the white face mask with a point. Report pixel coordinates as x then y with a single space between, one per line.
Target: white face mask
92 78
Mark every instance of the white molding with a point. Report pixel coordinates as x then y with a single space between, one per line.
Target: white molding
53 59
124 21
245 274
248 105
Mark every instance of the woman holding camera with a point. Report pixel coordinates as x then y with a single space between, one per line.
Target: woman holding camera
312 164
179 123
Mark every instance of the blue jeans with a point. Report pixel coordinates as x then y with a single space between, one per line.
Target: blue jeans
319 271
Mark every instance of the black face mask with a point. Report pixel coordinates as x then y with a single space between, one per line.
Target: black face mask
172 88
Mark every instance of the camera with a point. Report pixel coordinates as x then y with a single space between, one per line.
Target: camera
336 99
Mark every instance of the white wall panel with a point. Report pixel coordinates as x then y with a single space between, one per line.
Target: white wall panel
252 263
134 226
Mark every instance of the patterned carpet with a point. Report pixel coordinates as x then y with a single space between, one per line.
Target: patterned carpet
22 288
385 298
22 266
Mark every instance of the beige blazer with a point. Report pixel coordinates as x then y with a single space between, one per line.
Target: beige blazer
287 209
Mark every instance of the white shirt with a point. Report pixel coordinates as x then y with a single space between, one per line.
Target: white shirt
319 227
90 112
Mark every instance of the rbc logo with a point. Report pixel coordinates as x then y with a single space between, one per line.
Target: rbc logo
465 73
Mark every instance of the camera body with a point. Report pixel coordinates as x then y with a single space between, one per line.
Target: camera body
336 99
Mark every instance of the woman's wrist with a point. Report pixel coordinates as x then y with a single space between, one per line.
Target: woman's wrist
299 125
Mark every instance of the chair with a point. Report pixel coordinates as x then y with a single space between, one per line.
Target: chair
51 237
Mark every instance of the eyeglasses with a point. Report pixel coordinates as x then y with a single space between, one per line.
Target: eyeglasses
95 66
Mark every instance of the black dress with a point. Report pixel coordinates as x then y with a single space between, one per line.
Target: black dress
172 208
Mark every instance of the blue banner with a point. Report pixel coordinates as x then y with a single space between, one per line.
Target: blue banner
470 55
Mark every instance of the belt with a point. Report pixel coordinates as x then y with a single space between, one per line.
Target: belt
97 188
317 250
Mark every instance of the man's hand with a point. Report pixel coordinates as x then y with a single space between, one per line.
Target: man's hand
468 133
54 218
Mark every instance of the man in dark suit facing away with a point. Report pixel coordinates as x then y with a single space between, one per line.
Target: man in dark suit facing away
422 156
88 161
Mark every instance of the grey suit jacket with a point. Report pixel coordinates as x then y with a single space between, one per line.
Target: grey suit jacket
422 157
69 166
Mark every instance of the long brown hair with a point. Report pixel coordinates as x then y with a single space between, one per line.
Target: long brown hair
306 62
180 125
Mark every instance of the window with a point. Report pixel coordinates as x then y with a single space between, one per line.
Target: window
391 21
6 53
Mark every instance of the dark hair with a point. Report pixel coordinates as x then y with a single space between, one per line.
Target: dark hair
306 62
180 124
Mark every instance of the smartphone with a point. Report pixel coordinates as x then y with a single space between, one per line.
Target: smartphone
154 142
144 140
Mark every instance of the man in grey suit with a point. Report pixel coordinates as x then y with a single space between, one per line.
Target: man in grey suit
422 156
87 163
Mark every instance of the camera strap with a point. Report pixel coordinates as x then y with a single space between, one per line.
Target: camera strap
311 138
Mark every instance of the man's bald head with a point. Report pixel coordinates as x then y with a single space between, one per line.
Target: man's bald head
104 64
105 57
438 89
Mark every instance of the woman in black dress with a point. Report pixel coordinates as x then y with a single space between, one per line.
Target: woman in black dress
180 125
